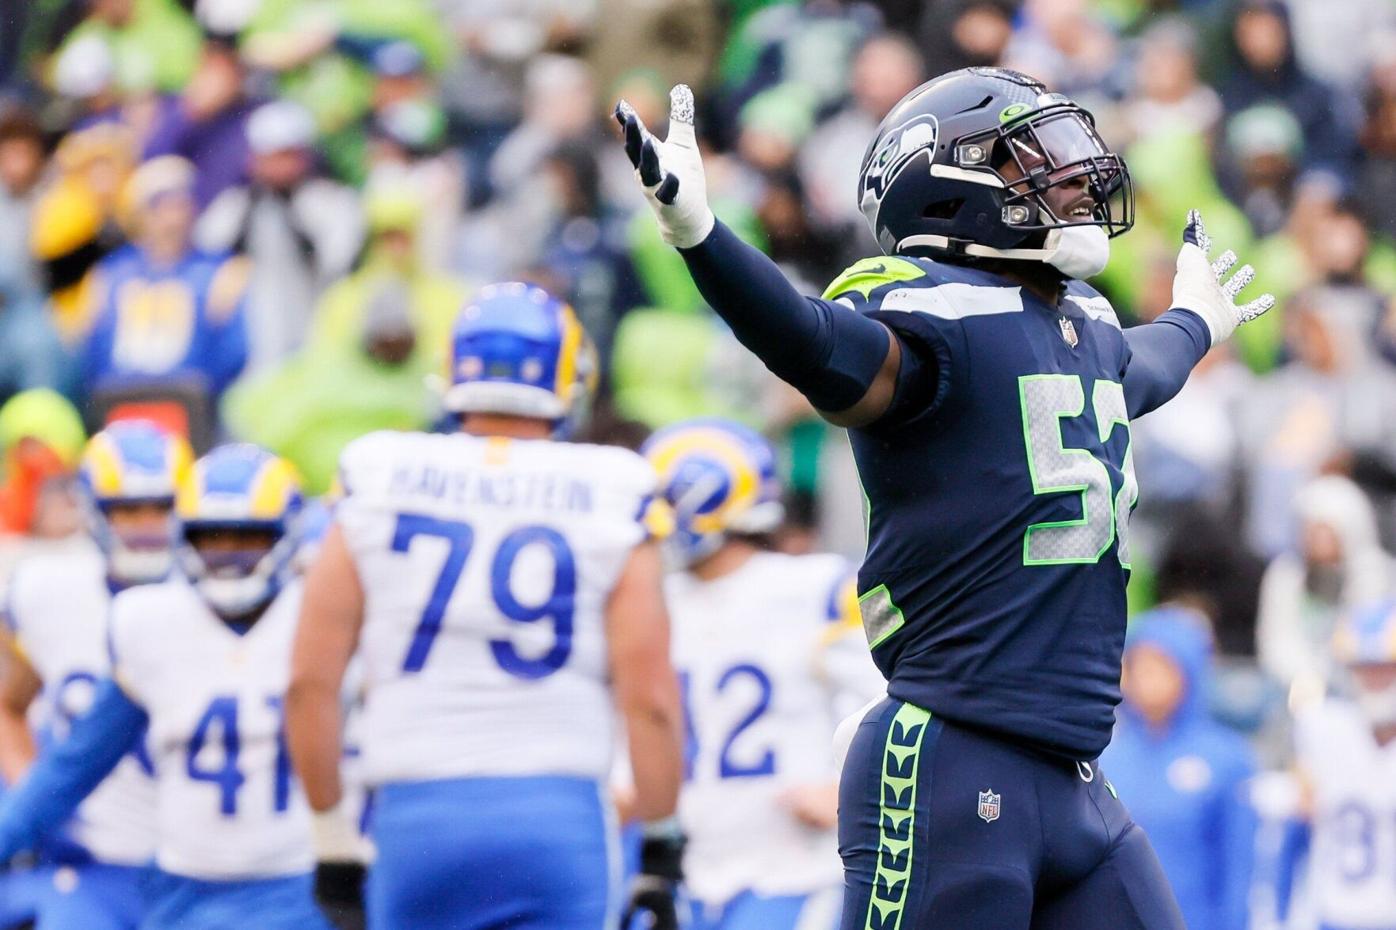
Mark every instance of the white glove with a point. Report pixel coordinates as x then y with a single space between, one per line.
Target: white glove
671 172
1198 285
335 838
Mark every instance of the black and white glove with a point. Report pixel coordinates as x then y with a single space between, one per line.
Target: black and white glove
652 902
670 171
1198 284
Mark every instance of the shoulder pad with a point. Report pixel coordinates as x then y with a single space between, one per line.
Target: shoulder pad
864 277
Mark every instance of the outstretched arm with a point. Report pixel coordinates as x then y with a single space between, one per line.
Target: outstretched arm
1205 313
845 363
66 774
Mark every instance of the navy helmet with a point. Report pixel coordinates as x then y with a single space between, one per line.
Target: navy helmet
931 181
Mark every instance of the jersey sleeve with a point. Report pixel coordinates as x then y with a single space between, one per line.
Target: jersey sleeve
633 487
123 637
894 291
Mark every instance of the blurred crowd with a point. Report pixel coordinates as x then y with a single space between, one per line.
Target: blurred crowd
255 219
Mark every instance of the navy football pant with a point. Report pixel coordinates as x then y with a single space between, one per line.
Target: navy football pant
942 828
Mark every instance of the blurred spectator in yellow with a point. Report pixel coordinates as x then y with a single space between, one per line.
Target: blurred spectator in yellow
148 37
886 68
391 264
207 123
1337 566
1183 774
311 407
407 144
167 313
300 230
41 440
75 221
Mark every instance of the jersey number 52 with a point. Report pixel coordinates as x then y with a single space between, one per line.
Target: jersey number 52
557 607
1048 400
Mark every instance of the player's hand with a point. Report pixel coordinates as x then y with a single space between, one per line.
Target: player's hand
652 902
671 171
1198 284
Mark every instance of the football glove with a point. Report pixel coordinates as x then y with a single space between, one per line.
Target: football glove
653 897
671 171
1198 284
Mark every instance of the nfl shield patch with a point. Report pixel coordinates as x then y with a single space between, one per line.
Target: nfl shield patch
1068 331
988 806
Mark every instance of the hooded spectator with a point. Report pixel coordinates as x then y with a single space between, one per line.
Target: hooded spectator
1169 96
1183 775
41 440
300 230
1264 69
1338 566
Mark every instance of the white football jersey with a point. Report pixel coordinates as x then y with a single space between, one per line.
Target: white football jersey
486 566
57 608
770 658
229 803
1352 862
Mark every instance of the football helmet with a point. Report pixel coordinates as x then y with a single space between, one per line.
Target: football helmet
235 492
719 478
961 167
130 463
519 351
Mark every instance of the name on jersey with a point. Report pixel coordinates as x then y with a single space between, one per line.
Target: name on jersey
467 488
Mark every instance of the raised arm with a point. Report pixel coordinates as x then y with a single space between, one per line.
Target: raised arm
331 615
68 772
1205 313
845 363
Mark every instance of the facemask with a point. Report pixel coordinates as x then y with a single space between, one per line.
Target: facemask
1379 707
1078 251
139 566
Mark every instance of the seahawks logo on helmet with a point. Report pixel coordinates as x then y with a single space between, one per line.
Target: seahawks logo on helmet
895 150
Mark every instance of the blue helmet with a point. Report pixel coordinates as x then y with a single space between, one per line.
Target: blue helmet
517 350
930 182
1367 636
719 478
239 489
129 463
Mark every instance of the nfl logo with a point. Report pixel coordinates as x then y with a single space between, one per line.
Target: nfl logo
1068 331
988 806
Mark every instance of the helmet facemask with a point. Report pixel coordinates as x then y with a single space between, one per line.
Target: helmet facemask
1056 171
137 537
237 569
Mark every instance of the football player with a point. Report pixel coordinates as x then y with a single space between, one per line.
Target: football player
770 658
505 596
202 661
1346 754
988 394
56 619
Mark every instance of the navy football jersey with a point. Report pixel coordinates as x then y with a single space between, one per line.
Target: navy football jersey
998 502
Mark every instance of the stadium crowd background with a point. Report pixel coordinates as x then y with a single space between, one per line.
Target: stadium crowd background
257 218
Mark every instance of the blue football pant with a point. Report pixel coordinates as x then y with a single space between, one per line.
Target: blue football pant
943 828
749 911
181 903
521 853
94 896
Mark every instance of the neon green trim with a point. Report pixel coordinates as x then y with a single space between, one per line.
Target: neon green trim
897 820
1013 110
1111 788
1108 401
871 273
881 617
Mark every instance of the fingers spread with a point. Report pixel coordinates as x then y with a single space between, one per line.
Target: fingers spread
1238 281
650 174
1256 307
1223 263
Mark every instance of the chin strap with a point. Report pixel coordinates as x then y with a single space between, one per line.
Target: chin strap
1078 251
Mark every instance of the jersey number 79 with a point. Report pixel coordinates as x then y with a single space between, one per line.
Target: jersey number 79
557 607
